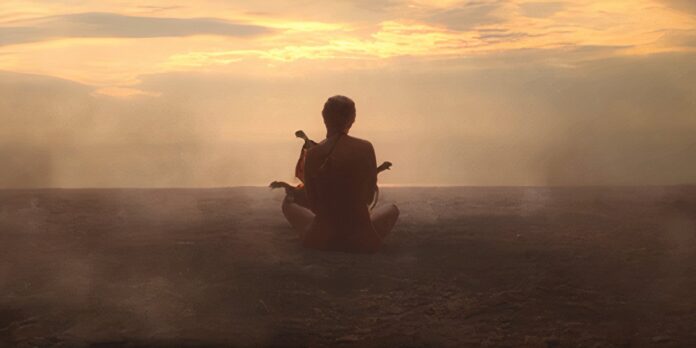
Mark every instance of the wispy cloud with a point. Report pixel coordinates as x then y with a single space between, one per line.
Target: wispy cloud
467 16
541 9
112 25
688 6
279 37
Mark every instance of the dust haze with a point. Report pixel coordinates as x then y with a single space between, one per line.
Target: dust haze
625 121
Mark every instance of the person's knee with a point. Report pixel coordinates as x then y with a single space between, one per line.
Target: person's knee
286 206
393 215
287 201
395 210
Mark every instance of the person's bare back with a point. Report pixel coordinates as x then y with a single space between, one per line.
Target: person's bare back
341 177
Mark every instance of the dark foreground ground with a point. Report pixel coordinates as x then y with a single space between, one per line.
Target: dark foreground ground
538 267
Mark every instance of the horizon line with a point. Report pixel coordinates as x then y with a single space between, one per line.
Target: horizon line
381 186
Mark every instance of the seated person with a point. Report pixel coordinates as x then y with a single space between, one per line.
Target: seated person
340 175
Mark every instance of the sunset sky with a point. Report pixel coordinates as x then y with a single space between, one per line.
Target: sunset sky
168 93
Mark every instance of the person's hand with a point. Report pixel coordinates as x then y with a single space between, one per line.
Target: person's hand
289 190
277 184
386 165
301 134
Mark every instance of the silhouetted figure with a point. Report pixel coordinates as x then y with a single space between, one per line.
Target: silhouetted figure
340 181
298 193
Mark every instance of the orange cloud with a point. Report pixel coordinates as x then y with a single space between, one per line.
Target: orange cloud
88 42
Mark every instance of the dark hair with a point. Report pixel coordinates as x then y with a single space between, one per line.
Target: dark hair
338 112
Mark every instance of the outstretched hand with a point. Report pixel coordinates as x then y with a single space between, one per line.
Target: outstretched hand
279 184
282 184
386 165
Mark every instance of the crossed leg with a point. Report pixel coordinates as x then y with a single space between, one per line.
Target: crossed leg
299 217
383 217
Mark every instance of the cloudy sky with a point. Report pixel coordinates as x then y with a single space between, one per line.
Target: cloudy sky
520 92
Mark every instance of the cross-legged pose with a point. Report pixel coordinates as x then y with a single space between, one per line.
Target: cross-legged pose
331 211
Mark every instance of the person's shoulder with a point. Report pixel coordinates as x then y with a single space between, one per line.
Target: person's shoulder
360 142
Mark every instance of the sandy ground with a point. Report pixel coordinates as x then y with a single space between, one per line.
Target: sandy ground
538 267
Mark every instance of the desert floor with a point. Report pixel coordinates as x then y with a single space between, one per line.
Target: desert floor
538 267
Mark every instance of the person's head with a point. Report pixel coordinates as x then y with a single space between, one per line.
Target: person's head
338 113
